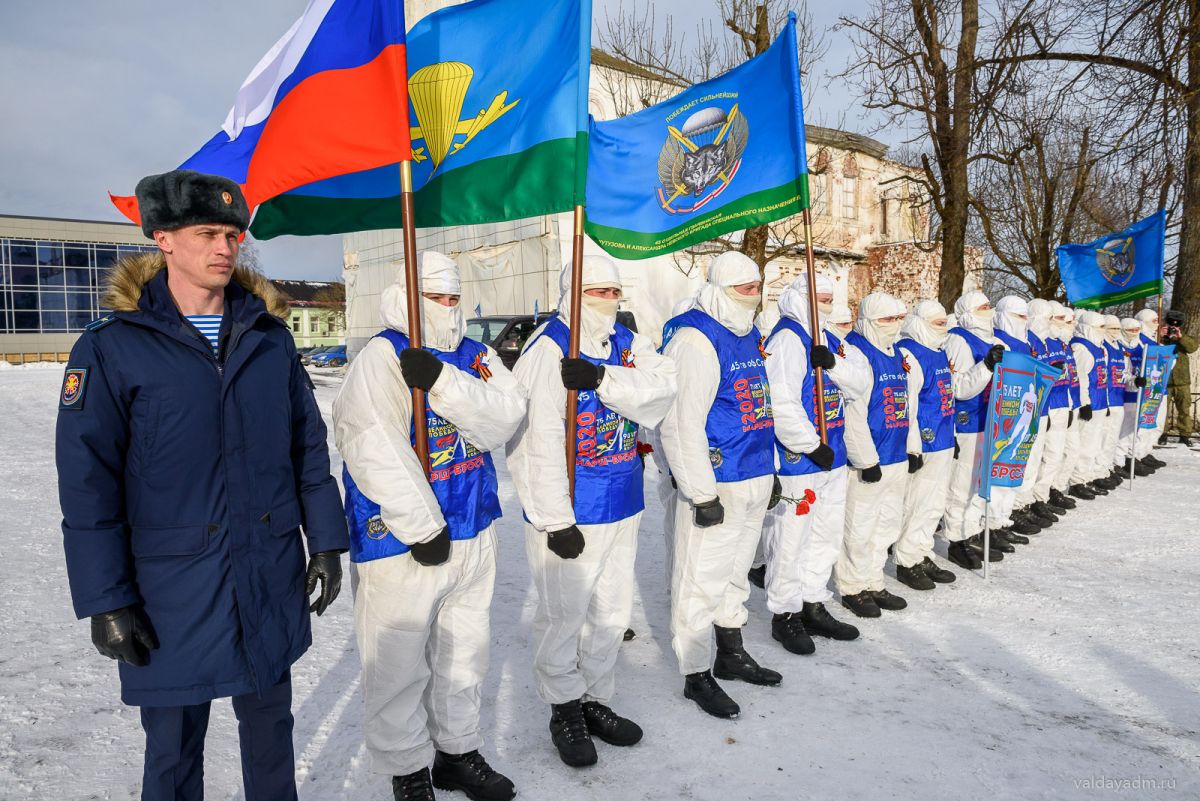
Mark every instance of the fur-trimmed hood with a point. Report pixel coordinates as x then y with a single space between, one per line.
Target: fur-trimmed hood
131 274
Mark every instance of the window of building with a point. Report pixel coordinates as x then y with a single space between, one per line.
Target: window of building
849 198
76 256
295 325
312 325
883 218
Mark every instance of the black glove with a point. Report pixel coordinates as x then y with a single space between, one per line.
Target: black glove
420 368
1085 412
567 542
325 566
581 374
1140 382
124 635
822 357
776 493
822 456
871 474
915 462
1070 417
957 448
1108 412
993 357
432 552
709 513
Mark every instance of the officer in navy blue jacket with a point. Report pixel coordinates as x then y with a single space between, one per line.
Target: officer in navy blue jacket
191 453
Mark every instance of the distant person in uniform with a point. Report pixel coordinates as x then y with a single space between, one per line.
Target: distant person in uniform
1180 384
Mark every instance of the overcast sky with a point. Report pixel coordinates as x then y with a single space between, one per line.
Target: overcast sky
94 95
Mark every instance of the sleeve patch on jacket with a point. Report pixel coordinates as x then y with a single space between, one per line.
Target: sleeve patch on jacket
74 385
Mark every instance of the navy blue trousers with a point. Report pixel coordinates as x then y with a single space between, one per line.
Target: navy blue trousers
175 747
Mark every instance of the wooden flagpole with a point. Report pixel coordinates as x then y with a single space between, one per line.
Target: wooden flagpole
412 290
814 323
576 303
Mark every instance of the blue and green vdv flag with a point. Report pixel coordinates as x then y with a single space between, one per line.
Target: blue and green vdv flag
498 94
1116 268
724 155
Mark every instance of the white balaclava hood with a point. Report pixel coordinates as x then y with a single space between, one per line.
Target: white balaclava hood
1131 331
1069 326
598 315
1058 321
841 320
871 309
442 327
970 317
793 302
1012 316
1112 329
1149 320
1091 327
1039 317
928 324
719 300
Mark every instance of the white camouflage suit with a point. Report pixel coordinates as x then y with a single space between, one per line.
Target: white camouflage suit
1131 333
1090 463
1110 451
1039 312
709 585
423 631
964 507
583 604
1062 322
801 549
1012 317
928 489
874 510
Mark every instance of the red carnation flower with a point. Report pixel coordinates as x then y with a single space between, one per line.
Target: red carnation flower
802 508
810 496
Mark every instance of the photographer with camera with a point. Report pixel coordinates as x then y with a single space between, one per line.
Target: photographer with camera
1180 384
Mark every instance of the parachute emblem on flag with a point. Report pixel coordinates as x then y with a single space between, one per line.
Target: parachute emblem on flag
1116 260
438 92
706 152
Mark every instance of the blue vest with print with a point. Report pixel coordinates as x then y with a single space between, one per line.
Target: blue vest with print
887 412
970 415
608 470
1135 369
1116 374
1064 394
935 400
1098 376
1012 343
798 464
740 425
463 479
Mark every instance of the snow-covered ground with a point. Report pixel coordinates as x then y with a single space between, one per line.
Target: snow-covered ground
1072 673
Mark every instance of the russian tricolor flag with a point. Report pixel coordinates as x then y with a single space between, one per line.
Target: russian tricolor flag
330 98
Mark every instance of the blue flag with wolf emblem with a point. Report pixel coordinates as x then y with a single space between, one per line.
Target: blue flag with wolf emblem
724 155
1116 268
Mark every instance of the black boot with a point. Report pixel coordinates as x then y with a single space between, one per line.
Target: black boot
862 604
1107 482
1082 492
818 621
1020 530
1116 477
914 577
1137 468
708 695
1024 525
939 574
758 576
472 774
998 540
1044 520
885 600
1010 535
1060 499
1185 440
961 554
610 727
995 553
1044 509
1152 461
415 786
734 663
1097 488
570 734
788 630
